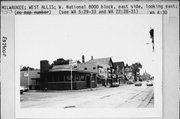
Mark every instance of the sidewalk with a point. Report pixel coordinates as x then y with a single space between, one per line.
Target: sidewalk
80 90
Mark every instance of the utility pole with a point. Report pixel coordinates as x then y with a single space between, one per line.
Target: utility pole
111 77
72 64
151 32
28 78
71 77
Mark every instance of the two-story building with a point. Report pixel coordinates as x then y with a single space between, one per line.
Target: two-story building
120 73
102 66
129 74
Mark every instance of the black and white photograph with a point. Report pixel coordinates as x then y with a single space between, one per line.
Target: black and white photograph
90 62
89 59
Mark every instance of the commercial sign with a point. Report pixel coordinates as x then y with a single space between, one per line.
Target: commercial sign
73 63
26 74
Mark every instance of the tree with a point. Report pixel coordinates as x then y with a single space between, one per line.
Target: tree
25 68
135 69
59 61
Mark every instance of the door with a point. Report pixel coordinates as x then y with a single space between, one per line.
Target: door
88 81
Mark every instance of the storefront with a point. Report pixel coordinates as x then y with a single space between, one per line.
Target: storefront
60 79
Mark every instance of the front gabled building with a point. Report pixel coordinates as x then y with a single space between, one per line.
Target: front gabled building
104 67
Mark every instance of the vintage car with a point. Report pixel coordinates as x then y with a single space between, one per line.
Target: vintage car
138 83
23 89
115 84
149 83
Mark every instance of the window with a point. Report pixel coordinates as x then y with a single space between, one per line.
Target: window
94 68
77 77
82 78
67 78
93 78
85 68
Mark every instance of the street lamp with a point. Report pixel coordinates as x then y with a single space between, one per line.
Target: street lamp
72 63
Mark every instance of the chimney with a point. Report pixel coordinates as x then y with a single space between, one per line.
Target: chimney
44 66
83 59
91 57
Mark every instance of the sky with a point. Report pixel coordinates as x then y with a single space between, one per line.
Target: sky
122 37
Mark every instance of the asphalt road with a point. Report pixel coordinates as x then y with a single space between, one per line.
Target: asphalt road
124 96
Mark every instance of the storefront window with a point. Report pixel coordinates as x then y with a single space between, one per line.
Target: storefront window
67 78
93 78
76 77
82 78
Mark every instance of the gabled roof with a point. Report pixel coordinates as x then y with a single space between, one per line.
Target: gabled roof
120 64
86 64
106 60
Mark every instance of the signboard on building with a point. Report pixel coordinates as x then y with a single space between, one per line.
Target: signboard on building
73 62
26 74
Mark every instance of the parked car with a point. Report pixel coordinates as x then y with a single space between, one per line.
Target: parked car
149 83
23 89
115 84
138 83
130 82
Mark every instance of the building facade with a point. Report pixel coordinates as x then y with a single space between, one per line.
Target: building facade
106 71
101 66
30 79
129 74
66 77
88 74
120 71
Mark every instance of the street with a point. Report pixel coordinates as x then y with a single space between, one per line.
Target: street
124 96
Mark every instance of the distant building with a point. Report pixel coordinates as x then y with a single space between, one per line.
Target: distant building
34 79
120 71
146 76
129 74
